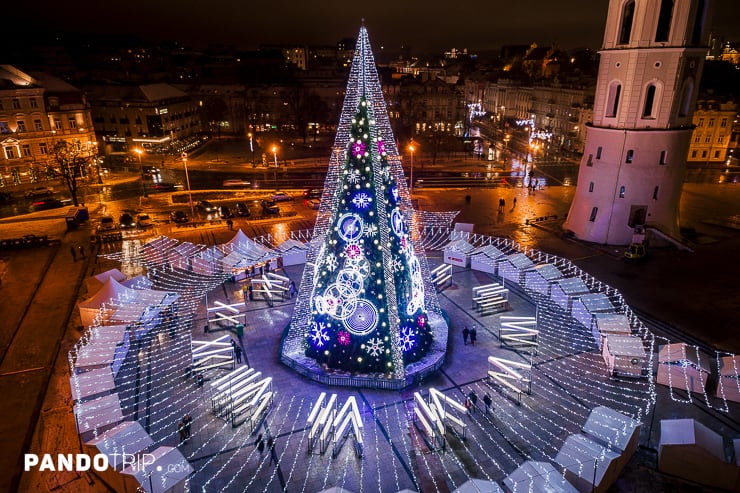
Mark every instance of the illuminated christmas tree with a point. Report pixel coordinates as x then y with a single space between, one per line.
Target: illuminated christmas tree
365 302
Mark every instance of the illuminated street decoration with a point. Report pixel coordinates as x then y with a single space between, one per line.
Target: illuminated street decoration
366 304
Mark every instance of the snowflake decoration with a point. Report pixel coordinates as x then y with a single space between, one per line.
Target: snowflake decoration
374 347
319 335
370 230
406 338
358 149
343 338
354 177
362 200
404 243
353 251
331 262
397 265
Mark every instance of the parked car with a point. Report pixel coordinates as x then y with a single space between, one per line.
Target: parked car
39 192
164 187
242 209
269 207
44 204
312 203
144 221
127 221
236 182
280 196
179 217
149 170
225 213
312 193
107 224
207 207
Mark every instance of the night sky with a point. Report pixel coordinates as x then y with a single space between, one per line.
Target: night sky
424 25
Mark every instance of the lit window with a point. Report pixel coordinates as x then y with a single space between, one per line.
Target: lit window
21 126
33 102
42 148
621 192
630 156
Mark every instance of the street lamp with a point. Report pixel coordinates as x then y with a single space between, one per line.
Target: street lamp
139 152
251 147
274 154
411 188
187 181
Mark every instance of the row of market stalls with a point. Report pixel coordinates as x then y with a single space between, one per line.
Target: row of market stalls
121 310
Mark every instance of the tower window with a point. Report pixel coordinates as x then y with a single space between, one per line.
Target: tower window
621 192
612 104
663 157
598 152
655 193
590 161
630 155
628 13
593 214
664 21
647 111
591 187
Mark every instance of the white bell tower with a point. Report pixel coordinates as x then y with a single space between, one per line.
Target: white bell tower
635 154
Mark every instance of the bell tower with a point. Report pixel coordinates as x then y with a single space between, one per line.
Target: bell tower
634 160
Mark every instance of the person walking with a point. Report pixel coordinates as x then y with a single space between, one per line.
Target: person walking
465 334
271 450
473 400
81 249
251 293
291 288
187 422
260 443
238 353
473 335
514 201
73 252
181 432
487 401
230 224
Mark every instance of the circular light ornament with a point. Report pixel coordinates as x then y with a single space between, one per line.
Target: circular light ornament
363 320
350 227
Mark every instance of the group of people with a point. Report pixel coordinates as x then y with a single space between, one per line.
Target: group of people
470 333
260 443
502 204
183 428
471 401
75 250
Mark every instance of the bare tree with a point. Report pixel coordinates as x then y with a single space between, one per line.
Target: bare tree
69 162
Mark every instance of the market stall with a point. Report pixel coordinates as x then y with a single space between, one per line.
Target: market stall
680 366
457 252
538 476
585 307
514 266
564 291
486 258
540 277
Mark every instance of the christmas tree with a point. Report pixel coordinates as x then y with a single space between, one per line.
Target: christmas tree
365 302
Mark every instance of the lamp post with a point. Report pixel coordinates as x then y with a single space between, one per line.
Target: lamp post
251 148
412 149
187 181
274 154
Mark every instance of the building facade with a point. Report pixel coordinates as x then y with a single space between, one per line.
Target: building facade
713 136
36 112
633 166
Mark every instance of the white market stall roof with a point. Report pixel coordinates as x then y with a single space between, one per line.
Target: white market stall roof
158 250
572 286
169 468
612 323
538 476
588 461
250 249
612 427
94 283
95 355
478 486
138 282
97 413
460 246
489 251
548 272
520 261
290 244
597 302
117 302
93 382
128 437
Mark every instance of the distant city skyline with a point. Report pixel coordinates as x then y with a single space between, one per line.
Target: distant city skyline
426 27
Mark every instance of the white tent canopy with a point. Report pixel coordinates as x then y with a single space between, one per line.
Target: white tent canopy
158 251
170 469
94 283
484 258
98 413
293 252
128 437
538 476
